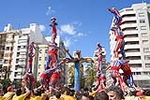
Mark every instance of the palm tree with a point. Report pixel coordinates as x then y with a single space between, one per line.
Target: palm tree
70 73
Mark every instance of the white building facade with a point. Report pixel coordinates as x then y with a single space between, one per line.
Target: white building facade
15 53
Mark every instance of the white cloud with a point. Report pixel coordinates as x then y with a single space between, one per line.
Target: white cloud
73 31
68 29
42 27
80 34
50 11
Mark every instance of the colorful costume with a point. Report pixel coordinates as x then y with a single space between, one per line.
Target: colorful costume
45 77
31 47
52 57
54 31
30 56
98 53
118 18
101 82
30 59
55 77
28 78
127 74
114 72
120 42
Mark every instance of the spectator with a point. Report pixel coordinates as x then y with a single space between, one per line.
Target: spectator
10 93
101 96
85 96
115 93
20 95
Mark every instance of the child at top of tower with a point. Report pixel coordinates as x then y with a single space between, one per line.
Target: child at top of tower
53 24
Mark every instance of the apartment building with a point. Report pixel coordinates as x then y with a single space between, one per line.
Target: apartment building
14 50
136 29
2 50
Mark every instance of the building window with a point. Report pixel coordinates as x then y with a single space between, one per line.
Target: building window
40 50
17 60
39 58
18 54
144 34
39 66
144 41
138 73
142 20
141 14
146 50
143 27
46 50
147 65
7 48
147 57
129 9
6 62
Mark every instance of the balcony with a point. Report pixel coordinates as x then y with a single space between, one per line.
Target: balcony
23 38
133 18
21 56
9 45
135 62
22 50
126 25
127 12
22 43
135 46
6 64
131 39
26 31
128 32
21 63
129 54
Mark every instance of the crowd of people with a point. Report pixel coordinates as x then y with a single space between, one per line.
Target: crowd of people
66 93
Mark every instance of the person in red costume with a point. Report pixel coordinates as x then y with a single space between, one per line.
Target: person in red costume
120 43
114 72
31 54
53 24
55 77
52 57
118 19
127 74
98 53
101 82
28 78
45 78
30 59
31 47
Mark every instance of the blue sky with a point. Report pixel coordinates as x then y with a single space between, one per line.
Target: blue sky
81 23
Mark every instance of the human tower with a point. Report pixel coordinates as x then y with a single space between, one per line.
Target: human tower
50 78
